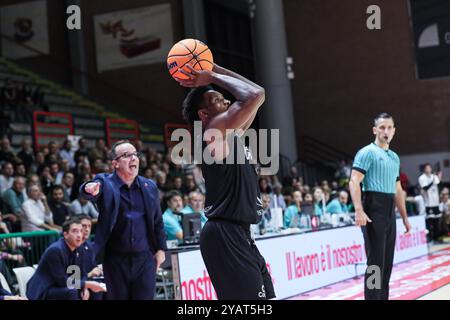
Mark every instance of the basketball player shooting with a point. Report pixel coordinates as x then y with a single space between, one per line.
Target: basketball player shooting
235 266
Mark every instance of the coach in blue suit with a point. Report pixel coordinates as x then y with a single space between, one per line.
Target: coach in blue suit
130 228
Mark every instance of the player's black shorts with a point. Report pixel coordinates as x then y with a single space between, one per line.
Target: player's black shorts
235 266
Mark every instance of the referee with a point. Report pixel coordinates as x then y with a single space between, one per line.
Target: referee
377 168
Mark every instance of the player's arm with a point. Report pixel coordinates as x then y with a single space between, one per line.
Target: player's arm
222 70
401 205
248 98
356 178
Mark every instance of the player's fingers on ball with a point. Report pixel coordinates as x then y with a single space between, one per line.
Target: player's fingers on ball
192 69
191 76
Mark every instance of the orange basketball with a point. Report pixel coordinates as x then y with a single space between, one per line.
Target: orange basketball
189 52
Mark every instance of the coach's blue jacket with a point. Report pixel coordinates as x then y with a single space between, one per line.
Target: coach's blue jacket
108 204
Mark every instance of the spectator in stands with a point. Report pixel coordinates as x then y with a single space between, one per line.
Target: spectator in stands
266 216
172 216
429 182
51 279
7 177
308 199
39 163
334 186
20 170
339 205
34 179
64 166
98 166
176 171
287 195
189 184
83 169
67 184
161 181
83 206
196 204
165 167
47 180
81 155
319 201
53 153
150 155
154 167
58 207
36 213
178 184
139 146
26 154
45 150
293 173
56 173
66 153
343 173
294 211
264 186
276 198
148 173
13 198
99 151
305 189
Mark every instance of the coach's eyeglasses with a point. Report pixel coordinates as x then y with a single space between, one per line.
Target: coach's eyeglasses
129 155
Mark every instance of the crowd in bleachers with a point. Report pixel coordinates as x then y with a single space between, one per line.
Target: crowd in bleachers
39 188
39 191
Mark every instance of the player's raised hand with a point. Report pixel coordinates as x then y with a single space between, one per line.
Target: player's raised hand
93 188
197 78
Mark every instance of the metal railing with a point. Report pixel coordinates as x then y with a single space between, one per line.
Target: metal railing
25 248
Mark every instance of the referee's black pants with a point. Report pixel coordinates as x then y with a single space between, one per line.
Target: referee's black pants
379 240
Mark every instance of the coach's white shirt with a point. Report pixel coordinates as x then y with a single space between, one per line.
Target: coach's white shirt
34 216
430 196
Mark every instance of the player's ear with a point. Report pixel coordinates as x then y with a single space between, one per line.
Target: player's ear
203 114
374 130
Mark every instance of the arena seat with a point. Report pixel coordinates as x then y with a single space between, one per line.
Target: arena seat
23 275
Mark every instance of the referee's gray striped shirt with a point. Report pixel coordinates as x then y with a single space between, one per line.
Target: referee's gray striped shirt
381 168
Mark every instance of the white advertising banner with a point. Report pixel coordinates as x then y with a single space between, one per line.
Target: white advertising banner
133 37
304 262
25 24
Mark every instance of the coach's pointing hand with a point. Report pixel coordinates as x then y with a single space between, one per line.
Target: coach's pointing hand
361 218
92 188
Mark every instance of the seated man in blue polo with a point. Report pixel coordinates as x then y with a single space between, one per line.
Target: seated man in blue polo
293 213
51 279
172 216
339 205
196 205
